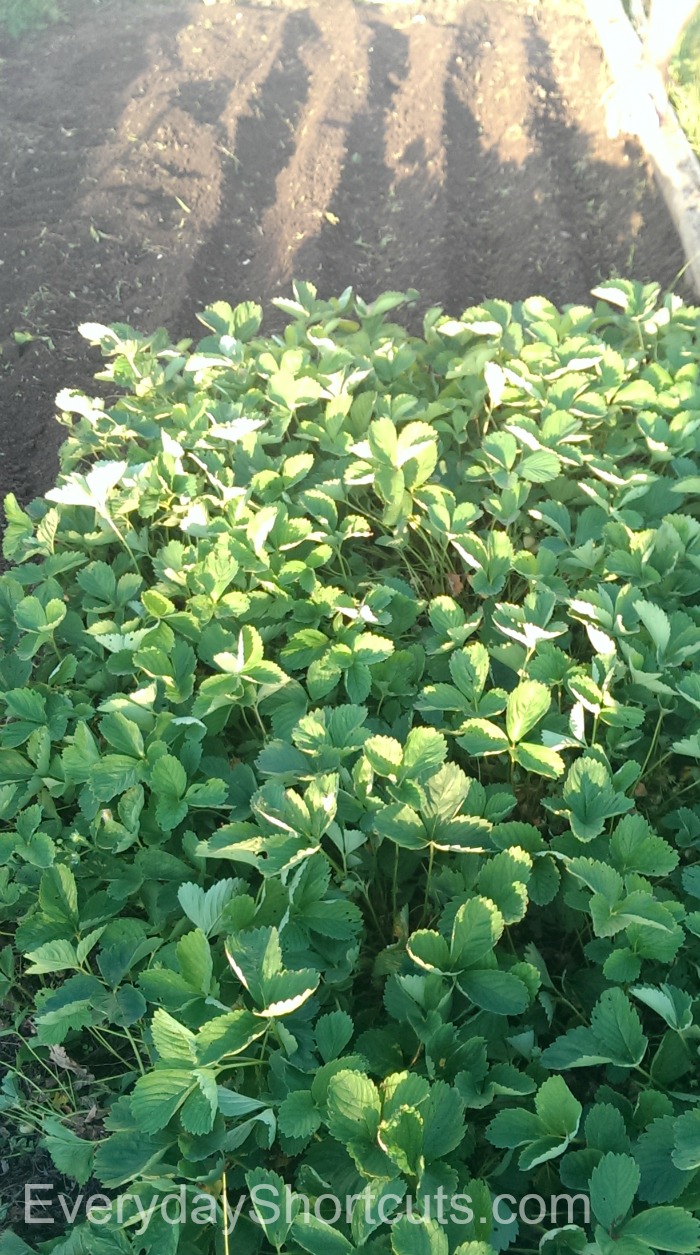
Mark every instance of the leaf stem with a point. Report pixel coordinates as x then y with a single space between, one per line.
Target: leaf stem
653 743
428 878
224 1209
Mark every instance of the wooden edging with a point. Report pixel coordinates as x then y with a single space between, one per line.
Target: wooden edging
638 105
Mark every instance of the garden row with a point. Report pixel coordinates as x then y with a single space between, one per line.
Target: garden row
349 778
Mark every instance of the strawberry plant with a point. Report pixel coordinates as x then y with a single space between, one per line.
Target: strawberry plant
349 771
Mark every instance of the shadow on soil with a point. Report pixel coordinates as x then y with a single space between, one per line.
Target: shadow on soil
63 92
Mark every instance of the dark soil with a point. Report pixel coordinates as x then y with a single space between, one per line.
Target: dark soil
155 157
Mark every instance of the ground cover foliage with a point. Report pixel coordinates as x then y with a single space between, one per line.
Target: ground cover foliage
348 778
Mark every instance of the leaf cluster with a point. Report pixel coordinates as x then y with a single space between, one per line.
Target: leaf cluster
349 764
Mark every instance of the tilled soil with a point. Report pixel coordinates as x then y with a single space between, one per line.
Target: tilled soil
157 155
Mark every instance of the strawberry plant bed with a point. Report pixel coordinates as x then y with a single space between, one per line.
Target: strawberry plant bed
349 788
156 156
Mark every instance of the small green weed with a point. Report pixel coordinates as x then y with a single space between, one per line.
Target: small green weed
350 786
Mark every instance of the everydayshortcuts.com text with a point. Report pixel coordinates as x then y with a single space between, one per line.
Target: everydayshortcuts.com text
263 1206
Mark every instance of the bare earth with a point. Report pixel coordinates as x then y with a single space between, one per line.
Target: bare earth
156 155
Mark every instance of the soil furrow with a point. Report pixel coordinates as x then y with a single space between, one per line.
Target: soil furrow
262 139
291 227
416 156
354 236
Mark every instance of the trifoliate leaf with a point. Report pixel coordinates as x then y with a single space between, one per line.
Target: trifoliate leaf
615 1036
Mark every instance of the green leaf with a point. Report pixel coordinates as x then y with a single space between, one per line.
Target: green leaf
424 753
513 1127
194 957
199 1109
613 1185
158 1095
272 1203
558 1110
169 782
656 622
72 1155
502 993
401 1136
424 1237
403 826
205 908
127 1155
333 1032
298 1115
53 956
58 895
384 755
318 1238
539 759
615 1036
589 798
481 737
370 649
672 1004
477 927
443 1121
686 1153
527 704
227 1035
662 1180
256 958
353 1106
635 848
605 1128
168 778
616 1026
539 467
122 734
665 1229
174 1042
429 950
